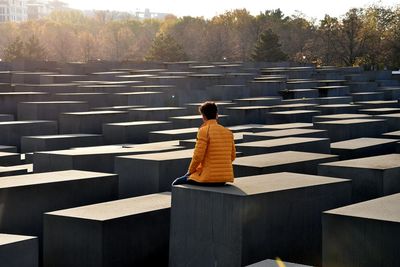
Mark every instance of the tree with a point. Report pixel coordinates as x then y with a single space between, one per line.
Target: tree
33 50
14 50
165 48
268 48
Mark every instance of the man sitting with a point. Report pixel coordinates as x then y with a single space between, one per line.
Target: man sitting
214 151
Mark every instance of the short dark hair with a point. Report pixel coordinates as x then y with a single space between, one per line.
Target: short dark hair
209 110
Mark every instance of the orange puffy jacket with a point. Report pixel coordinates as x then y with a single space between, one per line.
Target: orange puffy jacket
213 154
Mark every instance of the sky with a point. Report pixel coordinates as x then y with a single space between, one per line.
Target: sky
209 8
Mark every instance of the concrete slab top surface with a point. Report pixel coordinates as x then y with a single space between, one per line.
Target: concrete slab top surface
331 87
258 98
27 167
378 102
21 122
100 112
279 158
382 209
287 125
178 131
351 121
294 112
396 133
171 155
119 208
49 177
21 93
395 110
288 132
158 109
274 263
140 93
133 123
344 116
54 102
382 162
280 142
296 105
259 184
63 136
244 127
218 103
192 117
6 154
362 142
249 107
8 239
337 105
153 86
393 115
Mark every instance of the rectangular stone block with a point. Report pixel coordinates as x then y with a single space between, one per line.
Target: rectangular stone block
93 99
132 132
175 134
392 120
150 173
371 177
300 162
9 158
343 116
126 232
380 111
304 144
155 114
256 217
363 234
340 130
338 109
90 122
193 121
392 135
93 158
363 147
9 100
19 251
283 126
291 116
15 170
48 110
11 132
11 149
276 263
246 114
59 142
26 197
296 132
6 117
259 101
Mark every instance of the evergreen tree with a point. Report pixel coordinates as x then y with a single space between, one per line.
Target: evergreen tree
14 50
268 48
165 48
33 50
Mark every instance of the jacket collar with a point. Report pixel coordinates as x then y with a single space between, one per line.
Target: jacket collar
209 122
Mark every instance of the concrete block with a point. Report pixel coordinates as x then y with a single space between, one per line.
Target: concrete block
392 121
11 132
371 177
9 100
227 92
296 132
257 217
304 144
150 99
93 158
333 90
27 197
340 130
246 114
363 147
259 101
301 162
194 121
392 135
6 117
48 110
291 116
19 251
283 126
363 234
132 132
175 134
156 113
334 100
344 116
59 142
368 96
90 122
338 109
93 99
11 149
15 170
150 173
126 232
380 111
378 104
8 158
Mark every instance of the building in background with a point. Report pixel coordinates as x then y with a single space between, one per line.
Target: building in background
150 15
22 10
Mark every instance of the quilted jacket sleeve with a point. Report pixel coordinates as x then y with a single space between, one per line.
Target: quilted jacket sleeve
199 150
233 155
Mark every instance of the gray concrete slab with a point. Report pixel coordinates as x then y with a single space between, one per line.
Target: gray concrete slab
19 251
378 104
380 111
26 197
340 130
93 99
155 113
304 144
293 161
175 134
371 177
283 126
193 121
258 101
15 170
49 110
343 116
11 149
291 116
150 173
9 158
126 232
9 100
392 135
363 234
94 158
90 122
246 114
59 142
255 218
6 117
393 121
11 132
296 132
132 132
363 147
338 108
